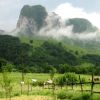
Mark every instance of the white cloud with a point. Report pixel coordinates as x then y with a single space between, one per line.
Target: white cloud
67 10
8 14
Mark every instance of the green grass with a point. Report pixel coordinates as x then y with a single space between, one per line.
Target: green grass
16 76
65 92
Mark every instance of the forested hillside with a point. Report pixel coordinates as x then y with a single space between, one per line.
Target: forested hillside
31 58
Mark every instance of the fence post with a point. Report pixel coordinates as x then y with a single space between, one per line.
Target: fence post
28 88
21 83
21 89
53 88
92 84
81 84
72 84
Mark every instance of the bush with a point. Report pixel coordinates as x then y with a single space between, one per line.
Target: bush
16 94
70 77
40 83
61 95
2 94
34 83
84 96
60 81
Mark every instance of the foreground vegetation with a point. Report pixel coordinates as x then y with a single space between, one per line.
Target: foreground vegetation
32 90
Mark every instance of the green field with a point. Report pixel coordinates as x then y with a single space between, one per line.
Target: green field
65 92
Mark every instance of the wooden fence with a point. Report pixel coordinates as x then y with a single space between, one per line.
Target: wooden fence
72 84
92 83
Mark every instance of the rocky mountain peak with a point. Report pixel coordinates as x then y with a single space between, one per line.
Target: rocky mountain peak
31 19
81 25
34 20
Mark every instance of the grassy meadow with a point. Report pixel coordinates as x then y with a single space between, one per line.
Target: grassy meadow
36 92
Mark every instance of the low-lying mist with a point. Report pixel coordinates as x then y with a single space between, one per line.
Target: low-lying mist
56 28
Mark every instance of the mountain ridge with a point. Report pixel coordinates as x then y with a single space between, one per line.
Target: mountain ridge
34 20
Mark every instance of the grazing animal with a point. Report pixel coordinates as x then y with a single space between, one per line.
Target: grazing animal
49 83
34 80
96 79
22 83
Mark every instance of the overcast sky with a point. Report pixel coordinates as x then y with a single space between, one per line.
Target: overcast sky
10 10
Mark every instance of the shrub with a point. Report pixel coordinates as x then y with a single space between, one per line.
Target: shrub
40 83
84 96
34 83
61 95
60 81
70 77
16 94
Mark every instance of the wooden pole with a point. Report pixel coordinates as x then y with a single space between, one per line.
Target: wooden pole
81 84
21 89
28 88
72 84
92 84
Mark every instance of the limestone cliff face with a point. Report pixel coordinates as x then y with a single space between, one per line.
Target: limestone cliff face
31 19
26 26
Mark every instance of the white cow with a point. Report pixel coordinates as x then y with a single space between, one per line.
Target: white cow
34 80
48 83
22 82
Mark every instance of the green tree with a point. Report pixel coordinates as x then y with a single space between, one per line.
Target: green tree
52 72
85 68
63 68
